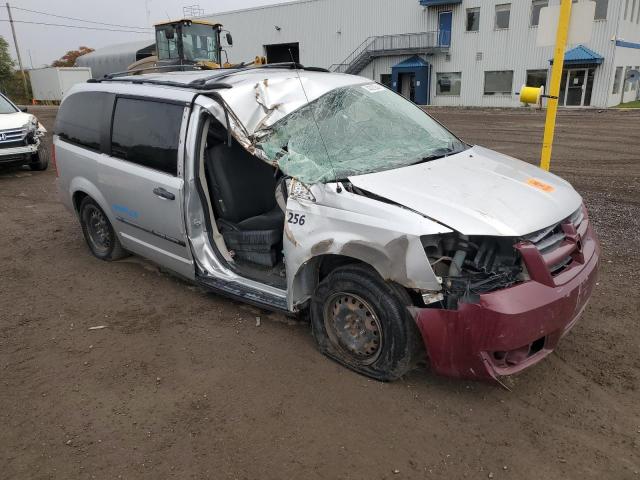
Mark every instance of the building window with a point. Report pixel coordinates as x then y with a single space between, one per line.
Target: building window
448 83
536 6
498 83
601 9
537 78
616 81
503 14
385 79
473 19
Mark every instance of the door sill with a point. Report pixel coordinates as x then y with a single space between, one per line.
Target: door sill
245 294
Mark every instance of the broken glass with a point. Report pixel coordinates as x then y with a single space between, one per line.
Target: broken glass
352 131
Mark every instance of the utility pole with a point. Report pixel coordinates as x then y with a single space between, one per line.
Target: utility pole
15 42
556 75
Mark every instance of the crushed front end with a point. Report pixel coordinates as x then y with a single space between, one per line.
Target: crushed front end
506 302
19 145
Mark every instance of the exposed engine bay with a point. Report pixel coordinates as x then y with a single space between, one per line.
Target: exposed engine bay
469 266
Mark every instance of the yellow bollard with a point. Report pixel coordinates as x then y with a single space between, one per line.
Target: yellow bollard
556 77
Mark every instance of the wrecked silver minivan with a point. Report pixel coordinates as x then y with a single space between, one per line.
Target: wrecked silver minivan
301 190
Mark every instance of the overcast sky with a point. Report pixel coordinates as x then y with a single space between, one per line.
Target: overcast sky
41 44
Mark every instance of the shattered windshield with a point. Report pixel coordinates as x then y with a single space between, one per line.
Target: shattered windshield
352 131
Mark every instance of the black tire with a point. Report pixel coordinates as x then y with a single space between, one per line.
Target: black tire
346 330
40 161
98 232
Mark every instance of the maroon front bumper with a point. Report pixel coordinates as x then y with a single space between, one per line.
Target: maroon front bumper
513 328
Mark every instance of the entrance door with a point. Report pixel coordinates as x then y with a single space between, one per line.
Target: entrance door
576 86
408 86
444 29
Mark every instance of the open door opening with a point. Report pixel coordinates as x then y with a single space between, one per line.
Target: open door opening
282 52
248 219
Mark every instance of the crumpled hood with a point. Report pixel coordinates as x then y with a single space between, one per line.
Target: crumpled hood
478 192
14 120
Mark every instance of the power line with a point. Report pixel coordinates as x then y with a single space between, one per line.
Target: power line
76 26
80 19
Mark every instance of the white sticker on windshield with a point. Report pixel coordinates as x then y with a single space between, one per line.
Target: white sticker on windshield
373 87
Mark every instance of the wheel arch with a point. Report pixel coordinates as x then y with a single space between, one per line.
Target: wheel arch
81 188
318 267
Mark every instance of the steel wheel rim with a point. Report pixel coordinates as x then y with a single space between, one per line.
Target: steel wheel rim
353 326
98 229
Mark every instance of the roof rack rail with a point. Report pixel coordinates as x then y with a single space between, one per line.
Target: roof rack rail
241 68
167 83
208 83
146 69
293 66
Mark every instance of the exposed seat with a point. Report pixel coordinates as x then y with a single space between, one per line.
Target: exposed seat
243 195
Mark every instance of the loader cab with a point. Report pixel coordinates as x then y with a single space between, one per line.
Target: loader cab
187 42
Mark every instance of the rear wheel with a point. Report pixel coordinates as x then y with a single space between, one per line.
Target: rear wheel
362 322
98 232
40 160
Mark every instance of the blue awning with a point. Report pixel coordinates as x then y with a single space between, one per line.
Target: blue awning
435 3
413 62
581 55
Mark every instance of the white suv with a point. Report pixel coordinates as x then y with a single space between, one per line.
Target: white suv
21 138
301 190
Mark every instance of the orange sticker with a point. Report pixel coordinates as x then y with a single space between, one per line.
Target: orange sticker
535 183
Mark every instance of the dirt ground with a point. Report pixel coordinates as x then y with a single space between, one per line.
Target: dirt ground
183 384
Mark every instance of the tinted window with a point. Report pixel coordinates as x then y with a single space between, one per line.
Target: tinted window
80 117
147 133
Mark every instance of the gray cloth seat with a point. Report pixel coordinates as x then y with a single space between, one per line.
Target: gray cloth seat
242 188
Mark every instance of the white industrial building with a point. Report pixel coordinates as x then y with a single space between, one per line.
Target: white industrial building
464 52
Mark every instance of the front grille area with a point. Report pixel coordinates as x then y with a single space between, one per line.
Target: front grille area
552 240
13 137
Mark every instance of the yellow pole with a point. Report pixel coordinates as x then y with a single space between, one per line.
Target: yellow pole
556 77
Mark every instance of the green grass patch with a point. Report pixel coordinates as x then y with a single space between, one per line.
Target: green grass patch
635 104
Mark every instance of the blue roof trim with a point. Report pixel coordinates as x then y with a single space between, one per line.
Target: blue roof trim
435 3
581 55
413 62
622 43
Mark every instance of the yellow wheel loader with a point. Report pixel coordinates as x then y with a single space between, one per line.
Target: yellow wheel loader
188 42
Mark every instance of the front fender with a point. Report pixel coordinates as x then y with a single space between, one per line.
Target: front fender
382 235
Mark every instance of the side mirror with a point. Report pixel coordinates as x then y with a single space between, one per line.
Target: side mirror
229 39
169 33
24 109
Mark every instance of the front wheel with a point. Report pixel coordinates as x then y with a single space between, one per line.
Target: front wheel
362 322
40 160
98 232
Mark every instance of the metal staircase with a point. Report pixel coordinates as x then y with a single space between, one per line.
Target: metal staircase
385 45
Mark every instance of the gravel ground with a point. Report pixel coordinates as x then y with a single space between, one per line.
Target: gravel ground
184 384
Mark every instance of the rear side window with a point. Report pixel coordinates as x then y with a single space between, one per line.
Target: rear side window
147 133
80 117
